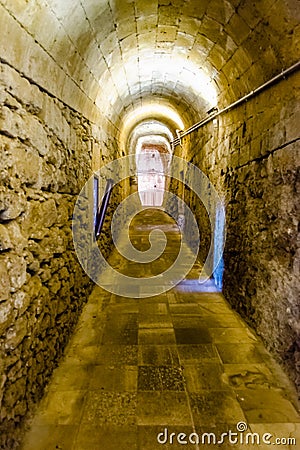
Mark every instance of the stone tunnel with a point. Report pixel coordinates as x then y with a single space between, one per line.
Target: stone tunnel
85 82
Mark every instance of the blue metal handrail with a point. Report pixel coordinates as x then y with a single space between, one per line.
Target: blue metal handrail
100 216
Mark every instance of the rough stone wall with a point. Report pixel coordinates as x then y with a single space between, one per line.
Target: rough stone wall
46 156
252 156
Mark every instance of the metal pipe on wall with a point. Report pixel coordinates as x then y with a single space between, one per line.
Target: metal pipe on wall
241 100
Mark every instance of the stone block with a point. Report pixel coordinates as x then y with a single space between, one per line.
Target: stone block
211 29
4 281
218 56
16 269
62 213
54 284
14 396
168 15
145 8
27 166
9 101
38 218
146 25
220 11
16 333
5 242
13 40
28 95
184 41
111 42
292 126
244 155
250 13
241 60
8 151
189 25
128 45
12 204
231 71
11 123
7 315
123 9
166 33
54 243
33 287
194 9
237 29
55 155
36 134
50 114
102 23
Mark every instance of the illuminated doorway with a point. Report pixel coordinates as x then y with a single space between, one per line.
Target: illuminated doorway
151 176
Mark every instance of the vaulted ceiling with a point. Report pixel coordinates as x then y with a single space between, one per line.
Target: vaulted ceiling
183 55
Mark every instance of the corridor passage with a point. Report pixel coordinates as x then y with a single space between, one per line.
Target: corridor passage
180 362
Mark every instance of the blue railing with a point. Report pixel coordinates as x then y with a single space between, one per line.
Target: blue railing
101 213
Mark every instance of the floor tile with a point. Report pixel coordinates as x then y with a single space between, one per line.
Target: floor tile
204 377
210 408
110 408
242 353
163 336
156 308
121 321
192 336
163 408
106 437
266 406
117 379
61 408
232 335
213 320
209 297
216 308
186 308
118 355
121 305
159 355
248 376
49 437
149 378
155 321
198 353
159 378
187 321
87 336
81 355
114 336
69 378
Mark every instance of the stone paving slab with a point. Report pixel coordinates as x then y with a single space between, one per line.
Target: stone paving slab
179 365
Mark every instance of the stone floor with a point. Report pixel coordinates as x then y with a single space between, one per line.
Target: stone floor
180 362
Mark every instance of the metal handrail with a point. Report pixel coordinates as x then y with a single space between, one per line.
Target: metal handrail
101 212
282 75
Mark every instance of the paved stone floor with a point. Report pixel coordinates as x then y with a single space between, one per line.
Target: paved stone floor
179 362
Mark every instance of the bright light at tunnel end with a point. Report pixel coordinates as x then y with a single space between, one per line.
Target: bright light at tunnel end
98 267
154 110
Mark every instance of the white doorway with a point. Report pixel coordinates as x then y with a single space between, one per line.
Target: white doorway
151 177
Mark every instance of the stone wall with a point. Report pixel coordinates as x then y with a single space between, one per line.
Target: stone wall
46 157
252 155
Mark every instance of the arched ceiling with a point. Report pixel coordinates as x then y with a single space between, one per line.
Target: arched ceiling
149 131
187 54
